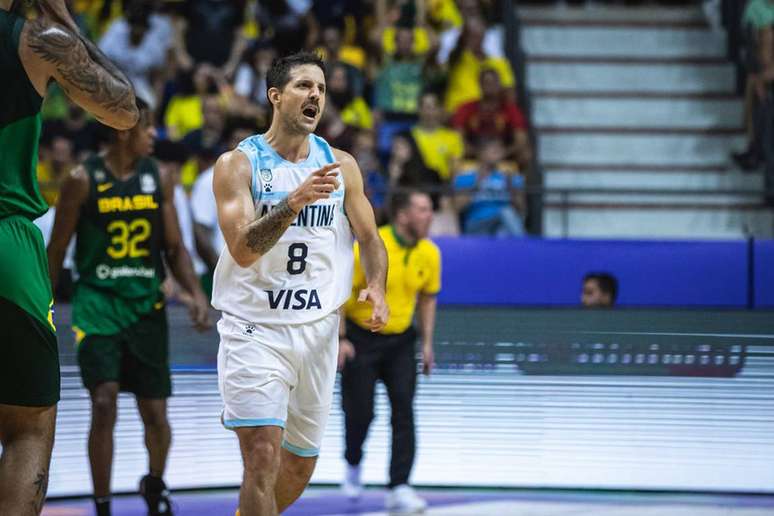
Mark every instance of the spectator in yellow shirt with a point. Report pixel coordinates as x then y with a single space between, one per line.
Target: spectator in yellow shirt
184 112
405 15
333 48
467 61
353 108
440 147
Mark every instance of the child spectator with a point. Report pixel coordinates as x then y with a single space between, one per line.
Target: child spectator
490 201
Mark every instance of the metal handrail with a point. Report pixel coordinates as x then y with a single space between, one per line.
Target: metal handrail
653 191
543 190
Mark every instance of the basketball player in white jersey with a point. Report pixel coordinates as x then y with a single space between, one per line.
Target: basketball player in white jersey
288 205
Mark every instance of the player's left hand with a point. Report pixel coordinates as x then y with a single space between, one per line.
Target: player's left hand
428 359
199 311
380 313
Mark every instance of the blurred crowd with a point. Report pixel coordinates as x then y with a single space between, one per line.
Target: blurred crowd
419 91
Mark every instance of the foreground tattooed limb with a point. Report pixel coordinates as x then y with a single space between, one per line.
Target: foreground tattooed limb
88 78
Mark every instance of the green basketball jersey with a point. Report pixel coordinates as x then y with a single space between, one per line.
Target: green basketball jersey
20 125
118 252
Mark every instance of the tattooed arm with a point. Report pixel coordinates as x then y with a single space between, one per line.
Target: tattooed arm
249 238
49 50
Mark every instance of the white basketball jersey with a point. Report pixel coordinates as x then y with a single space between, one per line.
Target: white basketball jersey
308 273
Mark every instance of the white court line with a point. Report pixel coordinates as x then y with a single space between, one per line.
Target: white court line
536 508
677 334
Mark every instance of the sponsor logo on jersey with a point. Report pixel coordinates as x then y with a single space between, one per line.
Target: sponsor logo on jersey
147 183
294 299
311 216
106 271
105 186
128 203
266 174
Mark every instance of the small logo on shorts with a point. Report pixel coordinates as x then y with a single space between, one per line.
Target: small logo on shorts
266 174
249 329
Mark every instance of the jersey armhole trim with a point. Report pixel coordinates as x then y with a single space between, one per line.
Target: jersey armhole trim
16 31
256 186
328 150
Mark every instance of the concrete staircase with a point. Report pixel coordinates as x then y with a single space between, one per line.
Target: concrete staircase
638 98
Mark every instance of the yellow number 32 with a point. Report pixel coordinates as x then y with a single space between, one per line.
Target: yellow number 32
127 237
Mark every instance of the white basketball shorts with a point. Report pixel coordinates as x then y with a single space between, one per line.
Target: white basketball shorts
279 375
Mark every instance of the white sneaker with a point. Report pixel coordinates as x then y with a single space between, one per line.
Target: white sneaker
352 488
403 499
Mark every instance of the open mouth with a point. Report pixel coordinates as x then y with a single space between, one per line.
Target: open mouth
310 111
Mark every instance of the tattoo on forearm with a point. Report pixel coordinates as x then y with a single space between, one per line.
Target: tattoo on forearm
41 486
82 66
264 233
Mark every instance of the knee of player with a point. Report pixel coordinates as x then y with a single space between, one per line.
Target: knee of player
103 408
156 421
299 468
261 456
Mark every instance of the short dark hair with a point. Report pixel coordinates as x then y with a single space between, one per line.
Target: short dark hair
488 71
606 281
108 134
401 200
279 73
238 123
